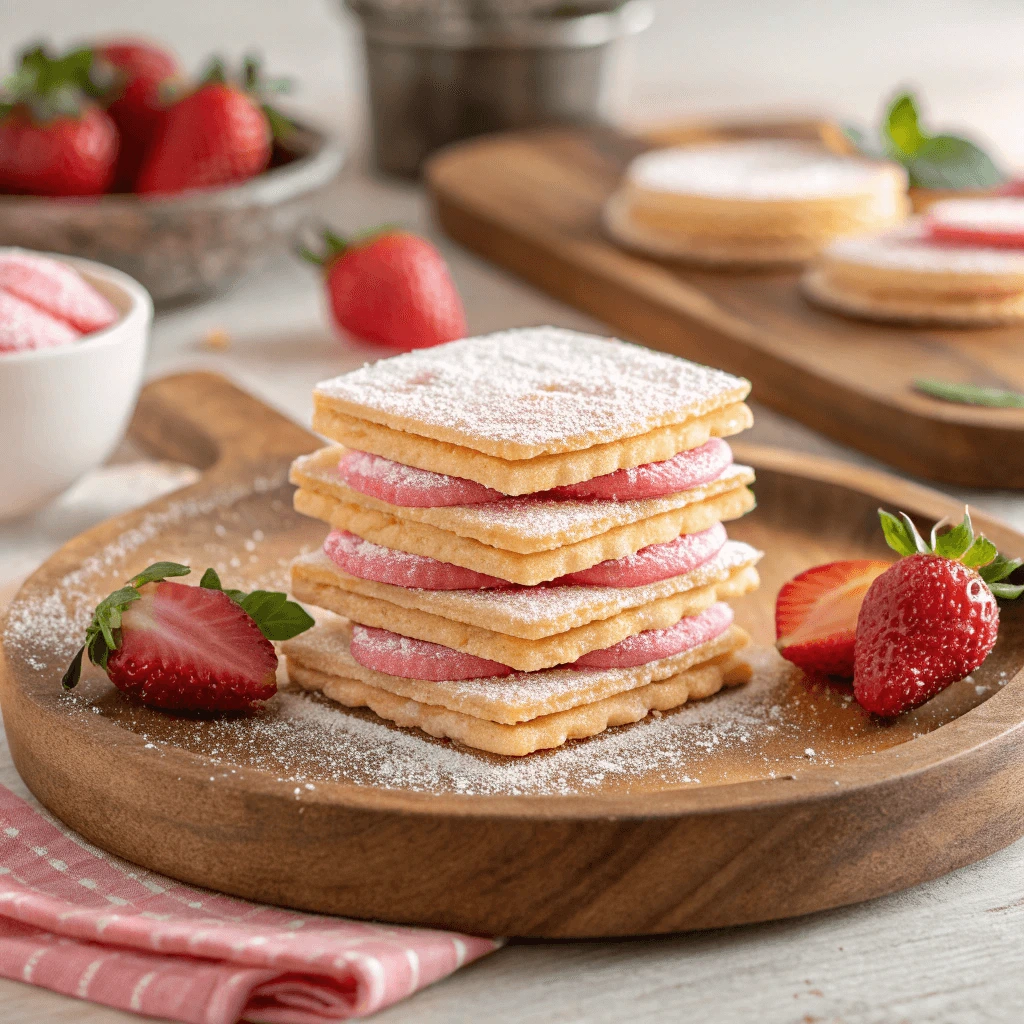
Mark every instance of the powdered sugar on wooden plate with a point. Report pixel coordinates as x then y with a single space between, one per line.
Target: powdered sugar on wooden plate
761 730
528 391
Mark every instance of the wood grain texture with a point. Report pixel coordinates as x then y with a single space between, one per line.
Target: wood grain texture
531 203
890 806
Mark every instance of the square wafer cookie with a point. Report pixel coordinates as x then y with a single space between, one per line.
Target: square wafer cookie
528 612
508 700
525 655
527 476
524 524
530 391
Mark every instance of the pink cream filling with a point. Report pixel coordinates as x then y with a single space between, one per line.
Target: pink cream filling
397 655
369 561
407 486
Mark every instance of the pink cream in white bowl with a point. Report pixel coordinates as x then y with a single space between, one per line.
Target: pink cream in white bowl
69 373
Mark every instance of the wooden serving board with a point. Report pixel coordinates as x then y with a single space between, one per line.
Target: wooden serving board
531 203
774 799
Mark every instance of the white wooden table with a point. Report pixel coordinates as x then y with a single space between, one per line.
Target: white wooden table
943 953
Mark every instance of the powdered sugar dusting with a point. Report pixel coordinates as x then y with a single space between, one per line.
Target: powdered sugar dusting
762 169
538 388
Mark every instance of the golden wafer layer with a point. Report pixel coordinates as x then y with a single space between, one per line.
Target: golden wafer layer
529 475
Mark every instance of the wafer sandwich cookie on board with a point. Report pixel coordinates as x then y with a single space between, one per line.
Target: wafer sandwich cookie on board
753 202
905 276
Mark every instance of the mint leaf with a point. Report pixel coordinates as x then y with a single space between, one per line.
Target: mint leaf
277 617
158 571
980 553
956 541
952 162
901 534
970 394
903 126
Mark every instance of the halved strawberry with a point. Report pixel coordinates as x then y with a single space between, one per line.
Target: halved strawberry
816 615
181 648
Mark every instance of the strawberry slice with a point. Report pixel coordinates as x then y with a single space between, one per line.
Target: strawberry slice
56 289
986 223
181 648
816 615
23 327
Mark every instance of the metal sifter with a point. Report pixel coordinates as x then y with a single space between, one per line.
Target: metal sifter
442 70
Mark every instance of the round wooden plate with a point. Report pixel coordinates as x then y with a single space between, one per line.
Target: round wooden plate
775 799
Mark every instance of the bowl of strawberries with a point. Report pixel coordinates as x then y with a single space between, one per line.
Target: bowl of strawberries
111 153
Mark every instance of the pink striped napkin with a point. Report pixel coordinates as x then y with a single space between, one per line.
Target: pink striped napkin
78 921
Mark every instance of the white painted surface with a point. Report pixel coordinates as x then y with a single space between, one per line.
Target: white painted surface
943 953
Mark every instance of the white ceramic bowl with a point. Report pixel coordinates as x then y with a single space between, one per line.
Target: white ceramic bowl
63 410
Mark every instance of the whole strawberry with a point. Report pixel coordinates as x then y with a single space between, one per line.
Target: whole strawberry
54 139
391 288
180 648
141 73
931 618
220 134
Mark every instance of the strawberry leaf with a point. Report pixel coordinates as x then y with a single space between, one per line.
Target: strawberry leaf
999 568
901 534
74 672
210 580
1007 591
159 571
277 617
954 542
979 554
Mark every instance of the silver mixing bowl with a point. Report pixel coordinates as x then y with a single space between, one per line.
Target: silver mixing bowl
193 244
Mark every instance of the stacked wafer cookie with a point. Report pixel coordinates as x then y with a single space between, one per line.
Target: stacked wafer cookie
527 541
